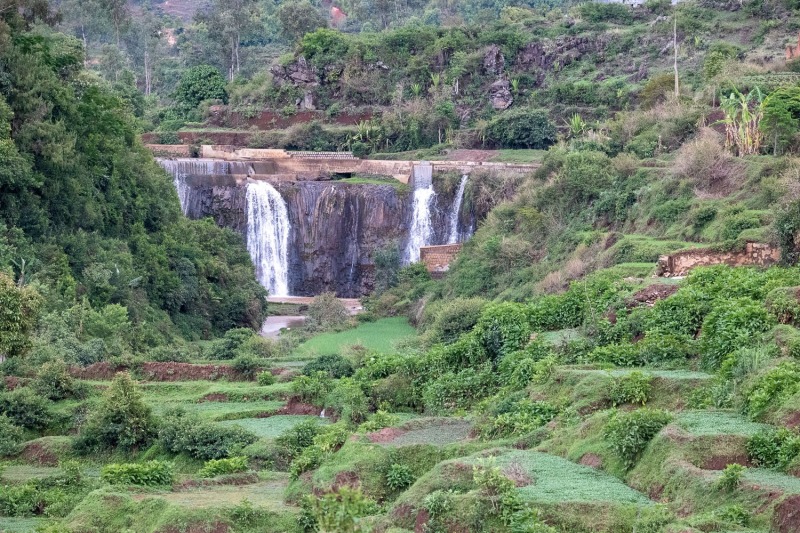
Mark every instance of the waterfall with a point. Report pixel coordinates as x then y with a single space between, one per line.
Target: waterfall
268 237
455 211
180 168
421 229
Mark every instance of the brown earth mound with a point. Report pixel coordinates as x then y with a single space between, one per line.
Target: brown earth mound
11 382
214 397
592 459
188 372
787 515
293 407
37 454
719 462
650 295
102 370
385 435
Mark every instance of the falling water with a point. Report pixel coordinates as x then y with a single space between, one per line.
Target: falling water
421 227
268 236
180 168
455 211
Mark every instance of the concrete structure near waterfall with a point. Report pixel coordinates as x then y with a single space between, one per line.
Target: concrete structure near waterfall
437 259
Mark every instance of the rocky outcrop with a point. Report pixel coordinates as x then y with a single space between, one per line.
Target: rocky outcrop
542 57
493 61
298 72
500 95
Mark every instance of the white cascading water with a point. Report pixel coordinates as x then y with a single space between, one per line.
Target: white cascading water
455 211
180 168
421 227
268 237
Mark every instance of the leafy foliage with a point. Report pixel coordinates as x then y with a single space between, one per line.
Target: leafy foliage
632 388
630 433
773 448
199 83
10 437
150 473
183 433
219 467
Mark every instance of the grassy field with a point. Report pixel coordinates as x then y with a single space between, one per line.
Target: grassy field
19 525
380 336
518 156
435 431
273 426
703 423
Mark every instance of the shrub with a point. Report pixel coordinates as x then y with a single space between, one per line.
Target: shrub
10 437
782 303
266 378
246 365
228 346
123 420
399 477
629 433
313 389
151 473
220 467
522 418
184 433
200 83
773 448
379 420
595 12
658 347
25 408
502 329
325 442
54 382
334 364
447 322
342 511
772 387
459 390
300 437
625 354
731 477
633 388
735 514
349 401
520 128
730 325
681 314
326 312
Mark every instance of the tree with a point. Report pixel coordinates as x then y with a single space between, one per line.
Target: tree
123 419
19 310
227 21
200 83
781 117
299 18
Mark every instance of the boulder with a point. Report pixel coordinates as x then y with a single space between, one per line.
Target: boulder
500 95
493 61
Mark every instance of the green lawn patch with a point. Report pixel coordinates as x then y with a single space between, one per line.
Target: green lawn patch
273 426
518 156
702 423
380 336
23 473
435 431
265 495
15 525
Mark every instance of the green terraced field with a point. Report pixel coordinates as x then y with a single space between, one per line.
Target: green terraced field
380 336
273 426
717 423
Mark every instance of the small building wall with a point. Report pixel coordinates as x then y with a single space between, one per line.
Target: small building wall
754 254
437 259
169 150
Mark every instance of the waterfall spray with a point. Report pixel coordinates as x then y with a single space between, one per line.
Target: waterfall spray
455 211
421 229
268 237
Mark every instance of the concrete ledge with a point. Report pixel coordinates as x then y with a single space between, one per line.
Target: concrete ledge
681 263
437 259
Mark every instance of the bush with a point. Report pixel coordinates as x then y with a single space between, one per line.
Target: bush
521 418
783 304
229 345
633 388
151 473
220 467
520 128
447 322
266 378
731 324
630 433
658 347
200 83
342 510
326 312
25 408
625 354
10 437
184 433
459 390
349 401
380 420
502 329
123 420
731 477
399 477
54 382
596 12
334 364
772 387
773 448
300 437
327 441
246 365
313 389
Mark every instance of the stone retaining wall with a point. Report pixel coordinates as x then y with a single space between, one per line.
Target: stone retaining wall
754 254
437 259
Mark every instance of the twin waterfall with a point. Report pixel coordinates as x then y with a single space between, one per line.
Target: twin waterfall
227 191
268 236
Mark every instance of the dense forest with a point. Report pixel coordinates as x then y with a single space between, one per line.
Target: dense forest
558 378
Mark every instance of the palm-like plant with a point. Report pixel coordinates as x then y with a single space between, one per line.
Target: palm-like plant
743 114
577 126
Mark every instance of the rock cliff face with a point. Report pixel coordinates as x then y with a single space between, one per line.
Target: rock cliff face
336 228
